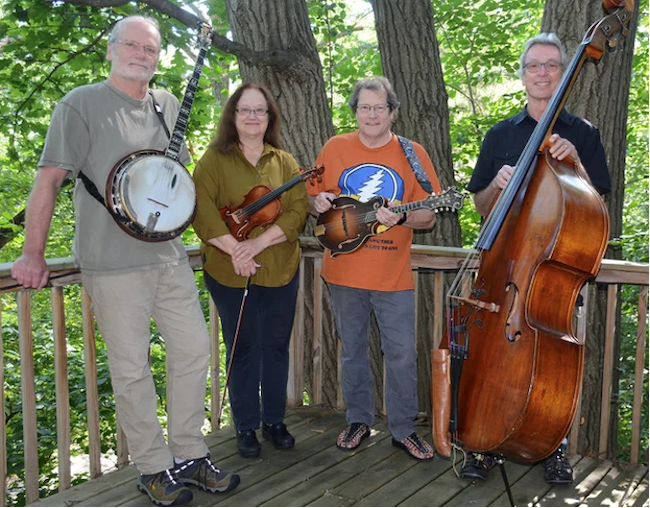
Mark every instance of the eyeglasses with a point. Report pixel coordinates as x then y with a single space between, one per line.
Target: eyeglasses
551 66
364 109
135 47
247 111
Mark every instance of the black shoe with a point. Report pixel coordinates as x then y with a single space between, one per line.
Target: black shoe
557 468
278 434
477 466
247 444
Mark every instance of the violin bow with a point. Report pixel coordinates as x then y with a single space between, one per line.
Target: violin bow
234 346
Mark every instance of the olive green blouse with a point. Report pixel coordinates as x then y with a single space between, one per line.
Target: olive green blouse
224 180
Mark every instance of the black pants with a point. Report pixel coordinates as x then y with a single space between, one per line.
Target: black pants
262 352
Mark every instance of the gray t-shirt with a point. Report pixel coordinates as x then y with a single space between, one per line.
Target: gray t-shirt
93 128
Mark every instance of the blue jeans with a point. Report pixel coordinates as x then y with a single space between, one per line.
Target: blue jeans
395 313
262 352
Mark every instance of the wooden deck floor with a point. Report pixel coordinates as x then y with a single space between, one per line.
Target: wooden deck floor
316 473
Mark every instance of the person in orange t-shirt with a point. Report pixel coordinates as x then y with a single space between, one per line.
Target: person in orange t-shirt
376 277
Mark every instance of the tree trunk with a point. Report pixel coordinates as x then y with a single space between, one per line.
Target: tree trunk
410 60
283 27
600 95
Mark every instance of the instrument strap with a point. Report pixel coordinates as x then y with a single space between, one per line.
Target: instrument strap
416 166
94 192
158 109
92 188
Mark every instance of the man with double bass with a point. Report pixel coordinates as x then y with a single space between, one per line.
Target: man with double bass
130 280
541 67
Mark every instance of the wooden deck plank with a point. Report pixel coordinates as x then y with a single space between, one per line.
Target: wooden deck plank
270 462
373 478
371 452
484 493
300 472
316 473
532 487
406 484
575 493
613 487
640 495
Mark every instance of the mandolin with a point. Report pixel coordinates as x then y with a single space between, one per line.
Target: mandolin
349 223
261 205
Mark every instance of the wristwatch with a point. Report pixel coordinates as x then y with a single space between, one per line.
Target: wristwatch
402 220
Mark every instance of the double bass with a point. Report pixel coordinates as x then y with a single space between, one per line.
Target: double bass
516 364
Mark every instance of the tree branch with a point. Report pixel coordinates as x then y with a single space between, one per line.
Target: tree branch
273 58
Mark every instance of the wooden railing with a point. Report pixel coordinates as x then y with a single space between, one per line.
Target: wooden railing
436 259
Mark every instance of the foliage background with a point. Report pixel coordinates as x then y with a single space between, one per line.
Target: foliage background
48 48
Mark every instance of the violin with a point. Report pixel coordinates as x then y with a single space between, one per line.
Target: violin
262 206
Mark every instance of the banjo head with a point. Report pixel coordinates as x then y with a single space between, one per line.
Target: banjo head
155 193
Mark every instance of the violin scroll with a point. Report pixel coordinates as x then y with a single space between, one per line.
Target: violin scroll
314 173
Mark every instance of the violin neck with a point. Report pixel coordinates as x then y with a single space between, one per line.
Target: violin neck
274 194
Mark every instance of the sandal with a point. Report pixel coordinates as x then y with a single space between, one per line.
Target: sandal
416 447
352 436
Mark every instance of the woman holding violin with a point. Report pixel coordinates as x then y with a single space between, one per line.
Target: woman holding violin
247 153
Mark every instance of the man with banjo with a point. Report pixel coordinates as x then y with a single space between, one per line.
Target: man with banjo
130 280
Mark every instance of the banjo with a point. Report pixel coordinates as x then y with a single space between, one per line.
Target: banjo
149 193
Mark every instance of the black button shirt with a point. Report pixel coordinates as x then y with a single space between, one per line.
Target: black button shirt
504 143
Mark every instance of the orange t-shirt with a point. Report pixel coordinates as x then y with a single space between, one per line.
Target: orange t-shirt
383 263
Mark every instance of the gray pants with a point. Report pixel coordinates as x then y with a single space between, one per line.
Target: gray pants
123 305
395 313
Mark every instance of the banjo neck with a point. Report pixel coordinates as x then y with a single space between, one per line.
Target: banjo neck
177 136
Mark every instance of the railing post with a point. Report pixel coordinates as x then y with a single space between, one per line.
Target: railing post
215 366
608 363
581 335
638 373
3 429
92 396
438 307
61 386
317 345
296 381
30 436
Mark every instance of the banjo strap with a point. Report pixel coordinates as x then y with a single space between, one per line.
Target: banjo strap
92 188
159 112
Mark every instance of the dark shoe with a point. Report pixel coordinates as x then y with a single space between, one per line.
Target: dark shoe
202 473
247 444
278 434
477 466
416 447
352 436
164 488
557 468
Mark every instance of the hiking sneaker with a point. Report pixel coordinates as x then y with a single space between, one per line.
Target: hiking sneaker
416 447
557 468
477 466
352 436
202 473
164 488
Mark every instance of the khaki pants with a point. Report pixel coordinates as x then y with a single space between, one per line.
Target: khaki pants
123 305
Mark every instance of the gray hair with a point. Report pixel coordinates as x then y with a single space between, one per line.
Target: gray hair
545 39
378 84
117 28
